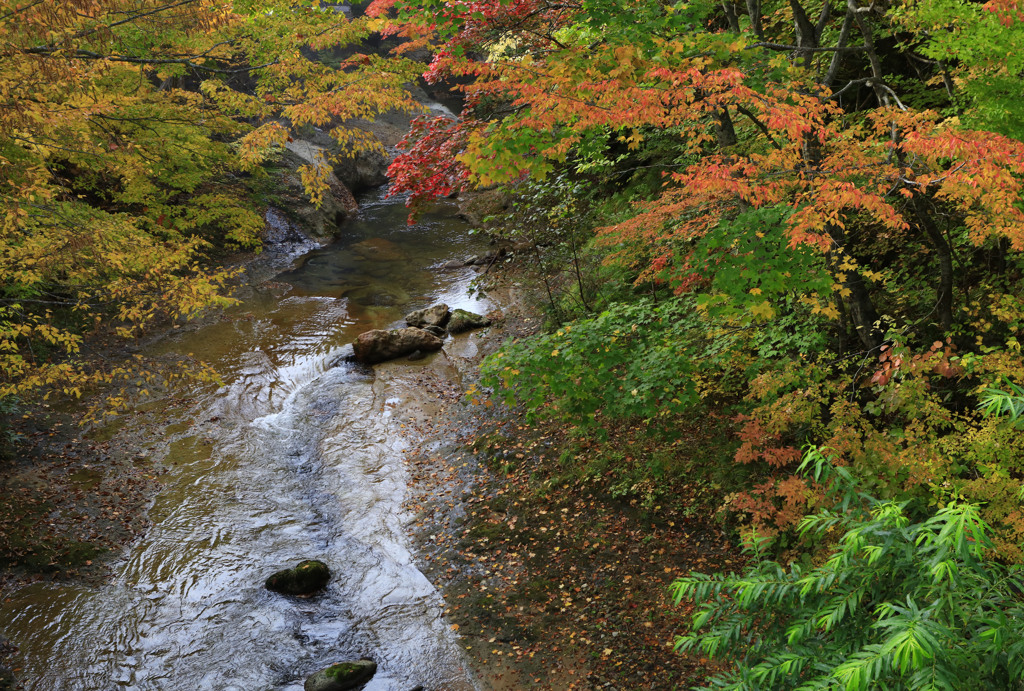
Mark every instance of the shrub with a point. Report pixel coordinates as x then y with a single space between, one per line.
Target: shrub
897 605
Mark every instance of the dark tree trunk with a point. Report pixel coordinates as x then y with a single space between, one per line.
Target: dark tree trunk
730 15
861 311
754 11
944 293
724 131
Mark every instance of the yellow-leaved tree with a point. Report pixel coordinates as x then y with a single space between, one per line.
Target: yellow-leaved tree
125 129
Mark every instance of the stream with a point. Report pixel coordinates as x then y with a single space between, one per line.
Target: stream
298 455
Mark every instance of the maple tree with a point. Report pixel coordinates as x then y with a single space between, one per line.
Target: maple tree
823 198
128 129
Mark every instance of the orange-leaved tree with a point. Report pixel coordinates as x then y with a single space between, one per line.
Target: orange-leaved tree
841 203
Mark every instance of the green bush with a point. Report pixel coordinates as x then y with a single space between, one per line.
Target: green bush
895 606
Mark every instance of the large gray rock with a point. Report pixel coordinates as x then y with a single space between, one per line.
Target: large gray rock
319 223
475 206
431 316
461 320
363 170
305 578
342 676
379 345
358 170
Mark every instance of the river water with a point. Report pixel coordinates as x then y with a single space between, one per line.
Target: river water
298 455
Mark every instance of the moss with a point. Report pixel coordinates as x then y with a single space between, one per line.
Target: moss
343 669
342 676
78 553
486 532
305 578
86 479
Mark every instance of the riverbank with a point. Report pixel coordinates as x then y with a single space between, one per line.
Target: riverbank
555 578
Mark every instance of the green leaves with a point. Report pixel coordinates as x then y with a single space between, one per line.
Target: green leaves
998 402
630 361
897 605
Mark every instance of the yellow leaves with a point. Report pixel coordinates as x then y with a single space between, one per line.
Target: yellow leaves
762 310
256 146
829 311
314 180
825 308
633 141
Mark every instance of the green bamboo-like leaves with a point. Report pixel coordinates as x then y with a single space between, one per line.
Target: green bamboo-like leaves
897 605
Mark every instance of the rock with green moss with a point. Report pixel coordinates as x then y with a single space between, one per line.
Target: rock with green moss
304 579
461 320
342 676
431 316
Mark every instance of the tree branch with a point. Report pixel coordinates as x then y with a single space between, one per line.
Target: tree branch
82 54
803 49
760 125
844 36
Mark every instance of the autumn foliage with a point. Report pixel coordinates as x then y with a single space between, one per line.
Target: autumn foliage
823 198
807 214
128 131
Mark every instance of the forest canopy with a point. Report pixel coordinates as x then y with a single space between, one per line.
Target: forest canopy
811 211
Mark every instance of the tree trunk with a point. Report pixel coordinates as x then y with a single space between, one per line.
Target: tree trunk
725 133
754 10
730 15
944 293
861 312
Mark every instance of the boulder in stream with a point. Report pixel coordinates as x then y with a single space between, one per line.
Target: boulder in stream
379 345
436 315
462 320
306 578
379 250
342 676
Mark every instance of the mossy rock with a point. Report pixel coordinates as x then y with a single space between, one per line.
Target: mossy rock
304 579
462 320
342 676
436 315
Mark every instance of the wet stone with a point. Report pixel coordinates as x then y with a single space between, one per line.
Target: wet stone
462 320
305 578
342 676
379 345
437 315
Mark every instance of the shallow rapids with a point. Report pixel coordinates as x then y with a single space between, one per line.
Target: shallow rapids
298 455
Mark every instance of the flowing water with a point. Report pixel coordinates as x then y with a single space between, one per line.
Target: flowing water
298 455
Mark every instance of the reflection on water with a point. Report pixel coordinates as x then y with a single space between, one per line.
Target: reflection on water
290 459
